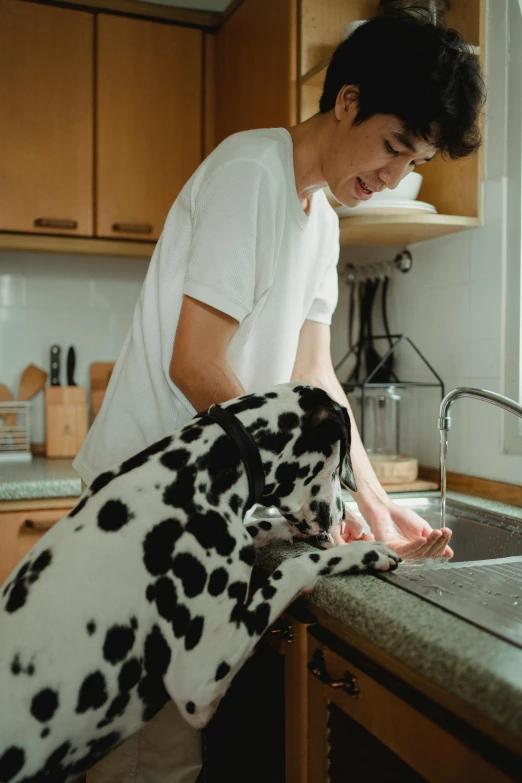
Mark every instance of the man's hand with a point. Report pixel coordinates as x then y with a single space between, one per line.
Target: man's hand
401 529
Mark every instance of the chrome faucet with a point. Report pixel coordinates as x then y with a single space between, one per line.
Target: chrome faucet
444 420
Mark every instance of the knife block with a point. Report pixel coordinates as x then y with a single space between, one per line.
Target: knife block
66 416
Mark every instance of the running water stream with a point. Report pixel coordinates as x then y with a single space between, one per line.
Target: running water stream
443 457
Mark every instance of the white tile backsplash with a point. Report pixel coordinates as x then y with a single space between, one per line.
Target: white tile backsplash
66 299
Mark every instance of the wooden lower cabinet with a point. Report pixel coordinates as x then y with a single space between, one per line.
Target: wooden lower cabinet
22 524
308 708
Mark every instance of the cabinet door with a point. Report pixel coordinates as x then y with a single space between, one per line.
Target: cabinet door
356 725
19 532
46 100
149 130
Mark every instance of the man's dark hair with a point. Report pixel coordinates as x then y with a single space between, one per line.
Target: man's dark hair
425 75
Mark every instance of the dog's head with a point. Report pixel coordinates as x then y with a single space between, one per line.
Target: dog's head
304 438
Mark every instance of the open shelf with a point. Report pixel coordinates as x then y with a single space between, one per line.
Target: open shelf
49 243
400 230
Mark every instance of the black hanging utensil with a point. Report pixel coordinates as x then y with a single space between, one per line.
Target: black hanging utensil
71 364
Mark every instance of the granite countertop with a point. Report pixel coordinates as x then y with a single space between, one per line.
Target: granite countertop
40 478
480 669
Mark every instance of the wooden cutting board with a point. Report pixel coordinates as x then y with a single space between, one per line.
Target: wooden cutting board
99 376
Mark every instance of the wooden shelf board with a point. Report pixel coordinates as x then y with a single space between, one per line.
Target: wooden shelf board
315 76
400 230
92 246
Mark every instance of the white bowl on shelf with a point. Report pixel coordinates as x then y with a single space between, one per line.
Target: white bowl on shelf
407 189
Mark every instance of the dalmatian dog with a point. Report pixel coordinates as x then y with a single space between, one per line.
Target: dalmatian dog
141 593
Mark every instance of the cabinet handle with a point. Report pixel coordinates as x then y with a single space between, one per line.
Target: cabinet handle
348 683
286 630
31 524
132 228
55 223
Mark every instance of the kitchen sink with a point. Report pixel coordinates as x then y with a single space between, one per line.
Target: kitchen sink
477 534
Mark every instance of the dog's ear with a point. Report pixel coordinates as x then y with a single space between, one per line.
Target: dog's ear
347 476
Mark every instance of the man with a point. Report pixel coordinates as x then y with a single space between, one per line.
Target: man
242 285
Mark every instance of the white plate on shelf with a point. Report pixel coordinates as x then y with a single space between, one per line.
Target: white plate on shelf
382 207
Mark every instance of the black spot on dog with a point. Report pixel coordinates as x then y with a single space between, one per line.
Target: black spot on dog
265 525
304 471
113 515
93 693
45 732
218 581
235 503
118 643
42 562
247 554
315 489
339 504
321 509
130 674
17 597
11 762
191 433
117 707
78 528
16 666
151 689
211 532
252 530
268 591
78 507
176 459
180 494
101 481
190 707
288 421
194 632
192 574
44 705
238 591
159 545
229 560
140 459
277 575
315 557
370 557
271 395
326 571
180 620
223 463
30 670
222 670
133 623
166 597
273 441
255 621
334 560
354 569
246 403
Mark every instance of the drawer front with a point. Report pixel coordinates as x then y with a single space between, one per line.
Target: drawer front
19 532
424 745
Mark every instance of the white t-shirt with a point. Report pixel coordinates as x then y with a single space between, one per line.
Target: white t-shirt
237 239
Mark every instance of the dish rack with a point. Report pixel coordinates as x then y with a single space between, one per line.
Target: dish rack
15 434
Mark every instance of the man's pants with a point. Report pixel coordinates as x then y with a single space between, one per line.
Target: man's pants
166 750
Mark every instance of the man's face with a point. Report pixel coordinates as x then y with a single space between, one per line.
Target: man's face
369 157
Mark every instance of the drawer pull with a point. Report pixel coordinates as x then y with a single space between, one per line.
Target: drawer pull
55 223
286 630
31 524
132 228
348 683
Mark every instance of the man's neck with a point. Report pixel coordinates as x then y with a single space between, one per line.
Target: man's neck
306 140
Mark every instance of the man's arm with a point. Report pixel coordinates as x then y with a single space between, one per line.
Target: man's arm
199 365
402 529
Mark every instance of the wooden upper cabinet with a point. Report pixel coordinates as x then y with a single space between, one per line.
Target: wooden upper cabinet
148 121
256 67
46 136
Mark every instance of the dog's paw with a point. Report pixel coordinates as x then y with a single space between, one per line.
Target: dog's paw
266 530
360 556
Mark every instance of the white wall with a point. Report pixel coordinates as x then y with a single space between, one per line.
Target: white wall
65 299
452 304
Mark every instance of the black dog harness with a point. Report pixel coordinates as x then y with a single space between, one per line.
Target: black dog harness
247 448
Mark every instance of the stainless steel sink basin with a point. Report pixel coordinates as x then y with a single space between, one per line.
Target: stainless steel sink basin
477 534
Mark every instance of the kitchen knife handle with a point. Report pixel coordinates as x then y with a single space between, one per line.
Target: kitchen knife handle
55 365
71 364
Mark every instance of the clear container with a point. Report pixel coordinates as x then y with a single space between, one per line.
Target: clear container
381 419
